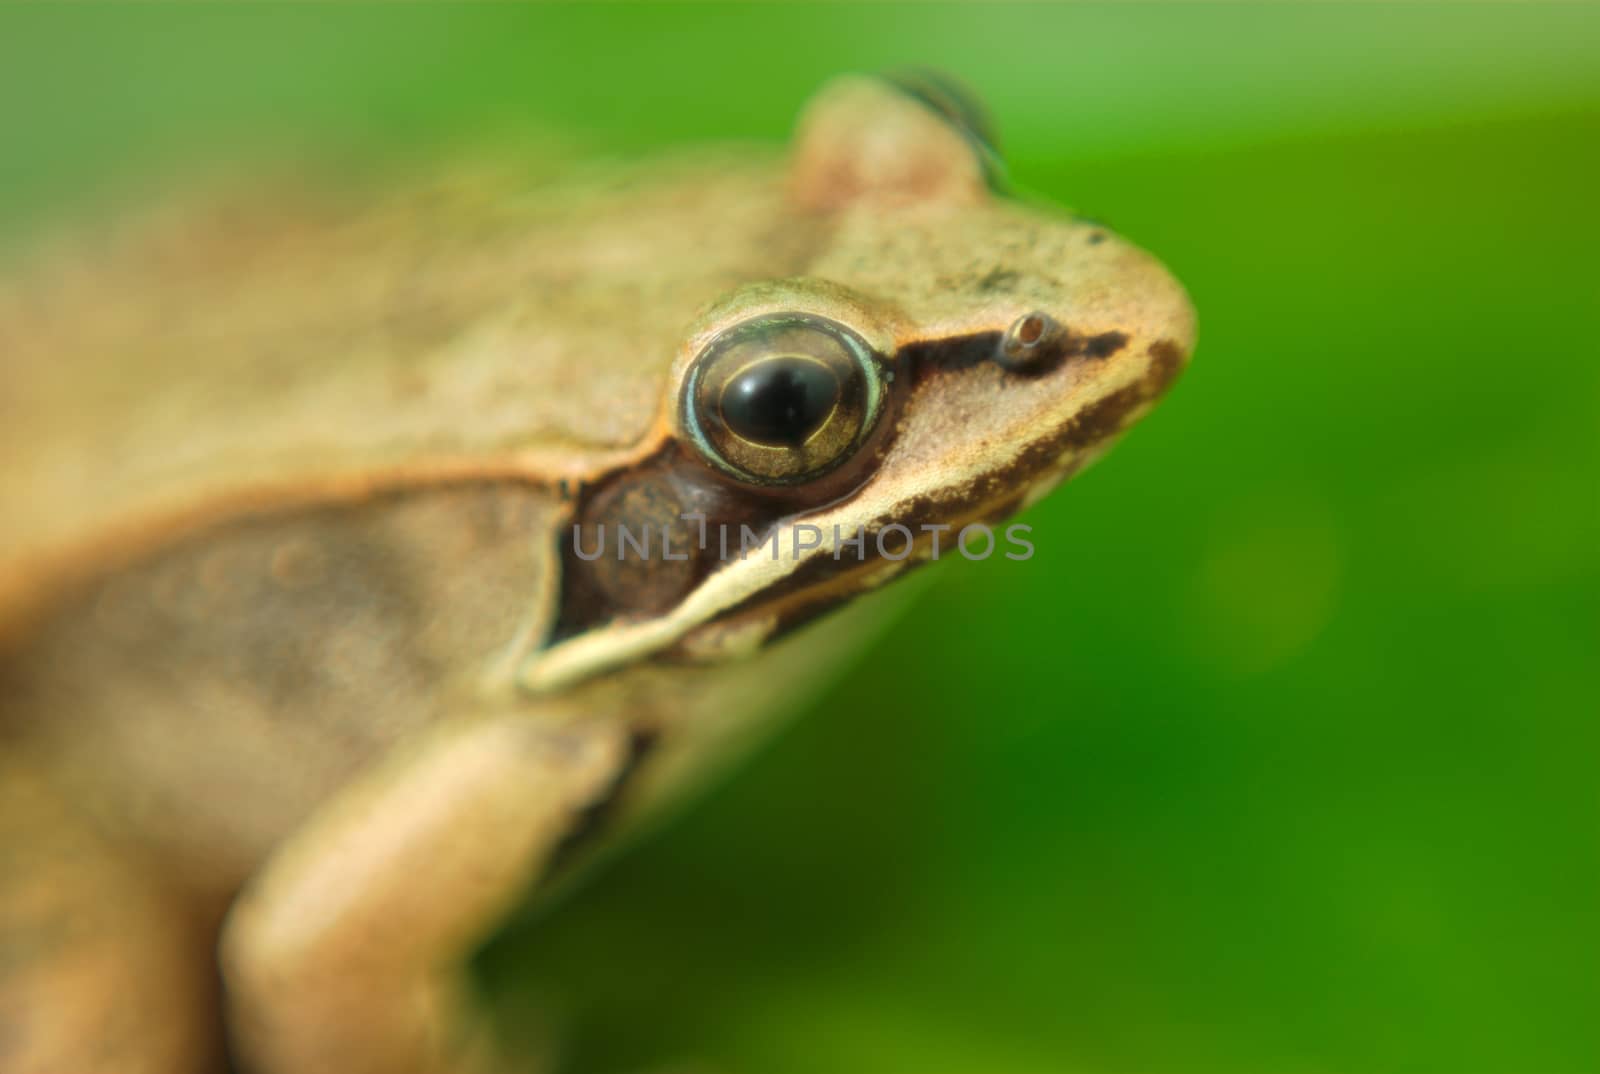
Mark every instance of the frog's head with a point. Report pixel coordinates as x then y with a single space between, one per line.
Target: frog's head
948 355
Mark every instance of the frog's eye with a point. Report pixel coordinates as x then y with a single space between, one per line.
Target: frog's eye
782 399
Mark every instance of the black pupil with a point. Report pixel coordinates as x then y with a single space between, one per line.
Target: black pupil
780 401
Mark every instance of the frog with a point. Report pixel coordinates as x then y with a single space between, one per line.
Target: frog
365 563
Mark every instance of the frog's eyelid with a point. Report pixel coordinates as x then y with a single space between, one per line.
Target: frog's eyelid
957 105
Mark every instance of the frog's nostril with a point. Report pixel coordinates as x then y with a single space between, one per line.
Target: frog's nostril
1032 343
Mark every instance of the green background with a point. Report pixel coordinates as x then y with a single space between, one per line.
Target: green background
1281 754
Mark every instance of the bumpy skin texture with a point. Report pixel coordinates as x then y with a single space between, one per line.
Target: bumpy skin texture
289 676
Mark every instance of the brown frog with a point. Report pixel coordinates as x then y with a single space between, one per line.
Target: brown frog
367 558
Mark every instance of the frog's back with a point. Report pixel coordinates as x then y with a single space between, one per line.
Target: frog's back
283 475
292 343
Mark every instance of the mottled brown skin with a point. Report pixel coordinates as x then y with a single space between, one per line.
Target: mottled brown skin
298 675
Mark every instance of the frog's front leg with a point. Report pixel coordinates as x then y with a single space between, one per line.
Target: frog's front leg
103 968
345 953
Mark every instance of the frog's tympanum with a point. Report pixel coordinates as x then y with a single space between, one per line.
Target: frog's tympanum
368 558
